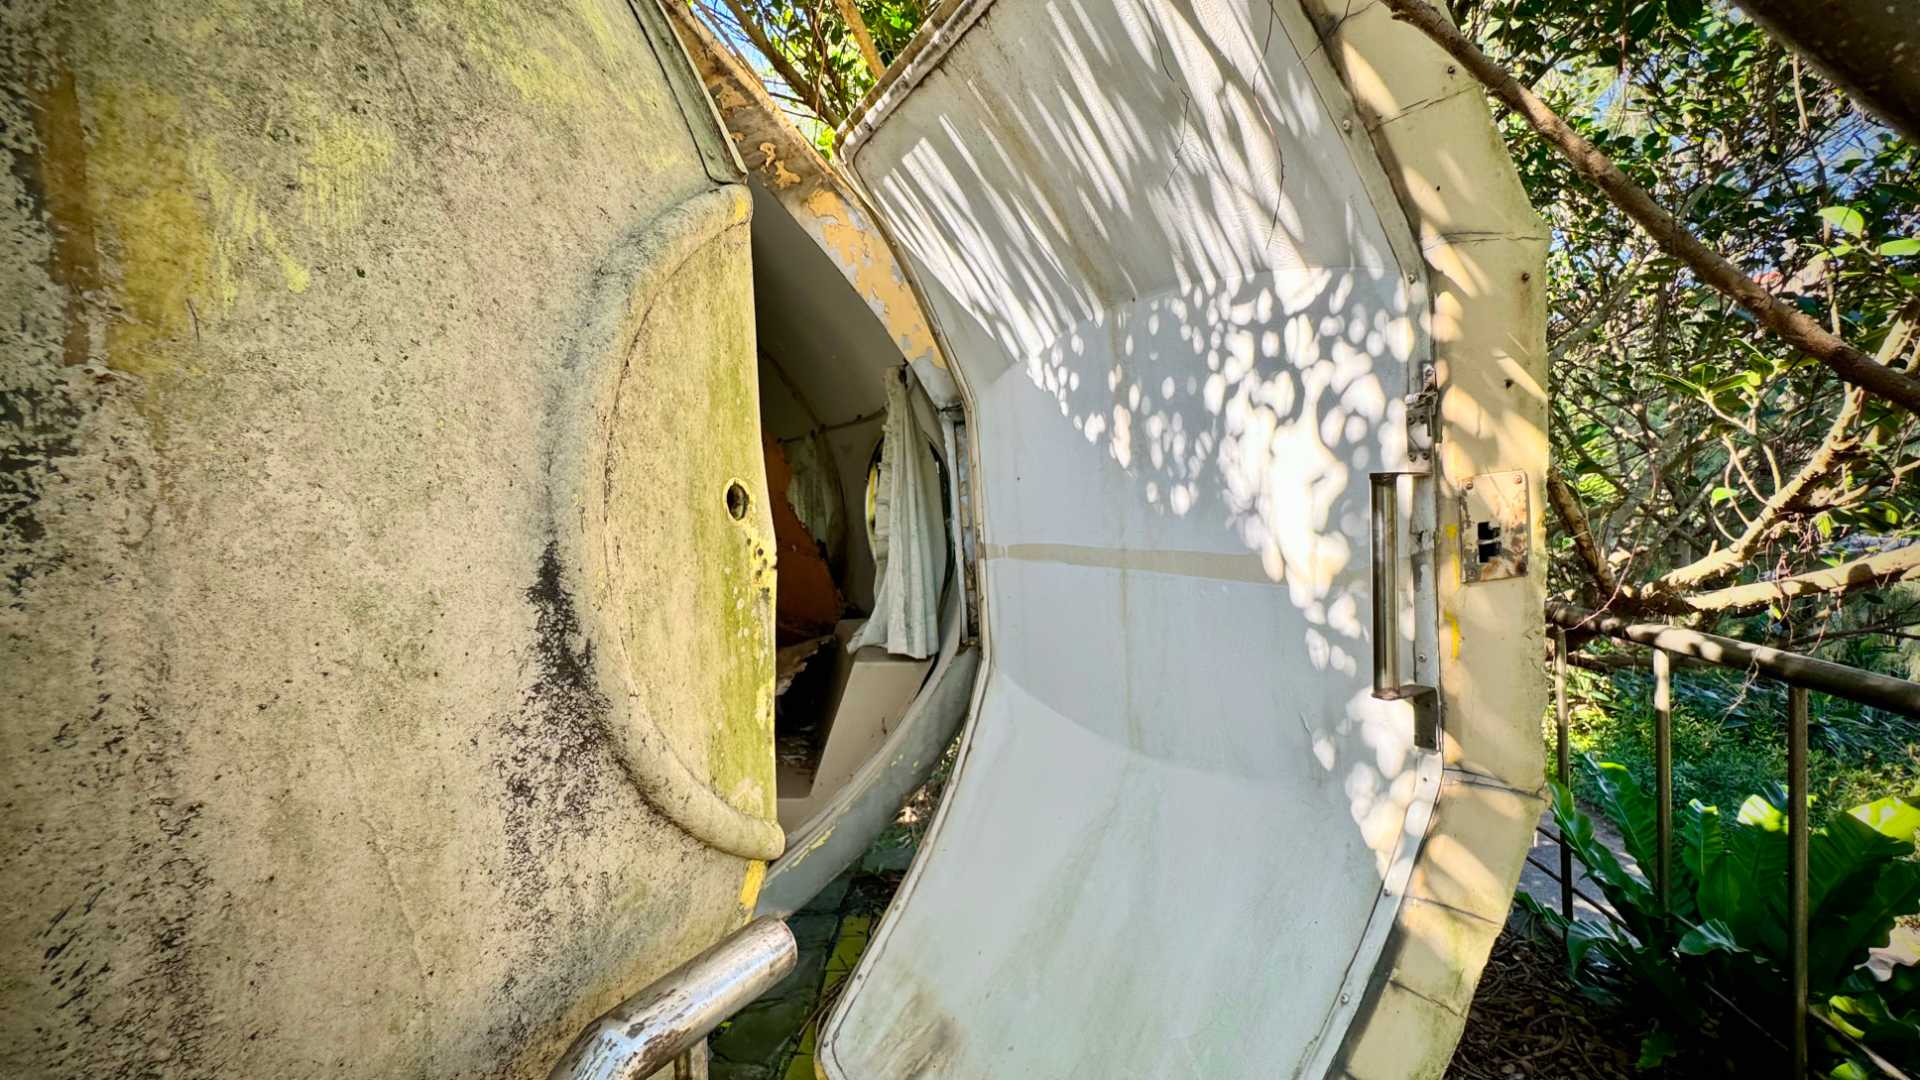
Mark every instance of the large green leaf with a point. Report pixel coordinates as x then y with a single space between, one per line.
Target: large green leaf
1842 933
1628 892
1890 816
1747 888
1759 812
1843 858
1700 843
1870 1015
1627 805
1709 937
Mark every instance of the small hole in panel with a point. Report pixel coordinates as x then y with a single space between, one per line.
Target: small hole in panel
737 501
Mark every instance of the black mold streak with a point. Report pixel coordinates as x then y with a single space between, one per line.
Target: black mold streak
555 761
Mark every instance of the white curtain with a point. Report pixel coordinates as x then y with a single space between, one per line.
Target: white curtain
909 535
814 492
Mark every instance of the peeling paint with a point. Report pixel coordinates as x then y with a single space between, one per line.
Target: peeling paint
780 176
863 255
750 882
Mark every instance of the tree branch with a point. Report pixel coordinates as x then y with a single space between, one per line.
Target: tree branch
782 67
1795 495
860 35
1791 324
1872 572
1574 518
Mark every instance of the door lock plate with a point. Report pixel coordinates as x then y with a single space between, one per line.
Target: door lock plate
1494 526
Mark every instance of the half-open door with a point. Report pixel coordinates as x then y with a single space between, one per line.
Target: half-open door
1190 318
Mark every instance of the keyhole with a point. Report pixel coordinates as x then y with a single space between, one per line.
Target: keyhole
737 501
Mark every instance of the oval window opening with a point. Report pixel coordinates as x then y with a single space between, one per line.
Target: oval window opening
737 501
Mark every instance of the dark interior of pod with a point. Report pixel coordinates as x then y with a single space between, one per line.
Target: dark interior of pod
825 365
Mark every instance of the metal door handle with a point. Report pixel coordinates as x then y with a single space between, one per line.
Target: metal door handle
1388 683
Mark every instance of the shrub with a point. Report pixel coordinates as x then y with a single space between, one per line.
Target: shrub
1724 922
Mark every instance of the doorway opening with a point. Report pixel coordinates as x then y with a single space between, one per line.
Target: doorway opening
845 504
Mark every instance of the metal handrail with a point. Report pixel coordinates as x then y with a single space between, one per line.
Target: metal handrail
661 1024
1801 673
1794 669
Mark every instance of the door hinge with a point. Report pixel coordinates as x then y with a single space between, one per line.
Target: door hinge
1423 416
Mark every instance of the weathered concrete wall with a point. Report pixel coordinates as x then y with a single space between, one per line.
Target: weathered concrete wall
377 638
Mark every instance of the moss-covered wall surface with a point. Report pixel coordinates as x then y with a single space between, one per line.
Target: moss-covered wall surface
386 681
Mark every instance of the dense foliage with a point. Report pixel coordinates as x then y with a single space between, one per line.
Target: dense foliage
810 54
1722 922
1729 734
1691 440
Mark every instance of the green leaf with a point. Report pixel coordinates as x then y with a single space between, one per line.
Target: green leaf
1909 245
1760 813
1701 847
1746 889
1844 218
1843 856
1550 916
1710 936
1657 1047
1628 892
1844 932
1720 495
1890 816
1628 806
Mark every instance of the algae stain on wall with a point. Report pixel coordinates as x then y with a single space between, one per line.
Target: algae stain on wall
739 743
141 193
181 229
344 158
546 67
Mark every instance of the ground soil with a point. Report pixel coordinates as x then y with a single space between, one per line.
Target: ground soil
1528 1020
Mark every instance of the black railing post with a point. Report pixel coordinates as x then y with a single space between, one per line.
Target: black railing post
1562 760
1663 775
1797 869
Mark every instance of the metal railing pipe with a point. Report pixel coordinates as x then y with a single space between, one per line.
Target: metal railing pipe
1563 759
1663 777
1797 858
1795 669
649 1030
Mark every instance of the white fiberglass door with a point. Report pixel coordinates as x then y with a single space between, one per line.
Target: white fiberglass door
1187 314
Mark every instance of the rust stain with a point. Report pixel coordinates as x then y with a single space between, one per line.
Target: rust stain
808 602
